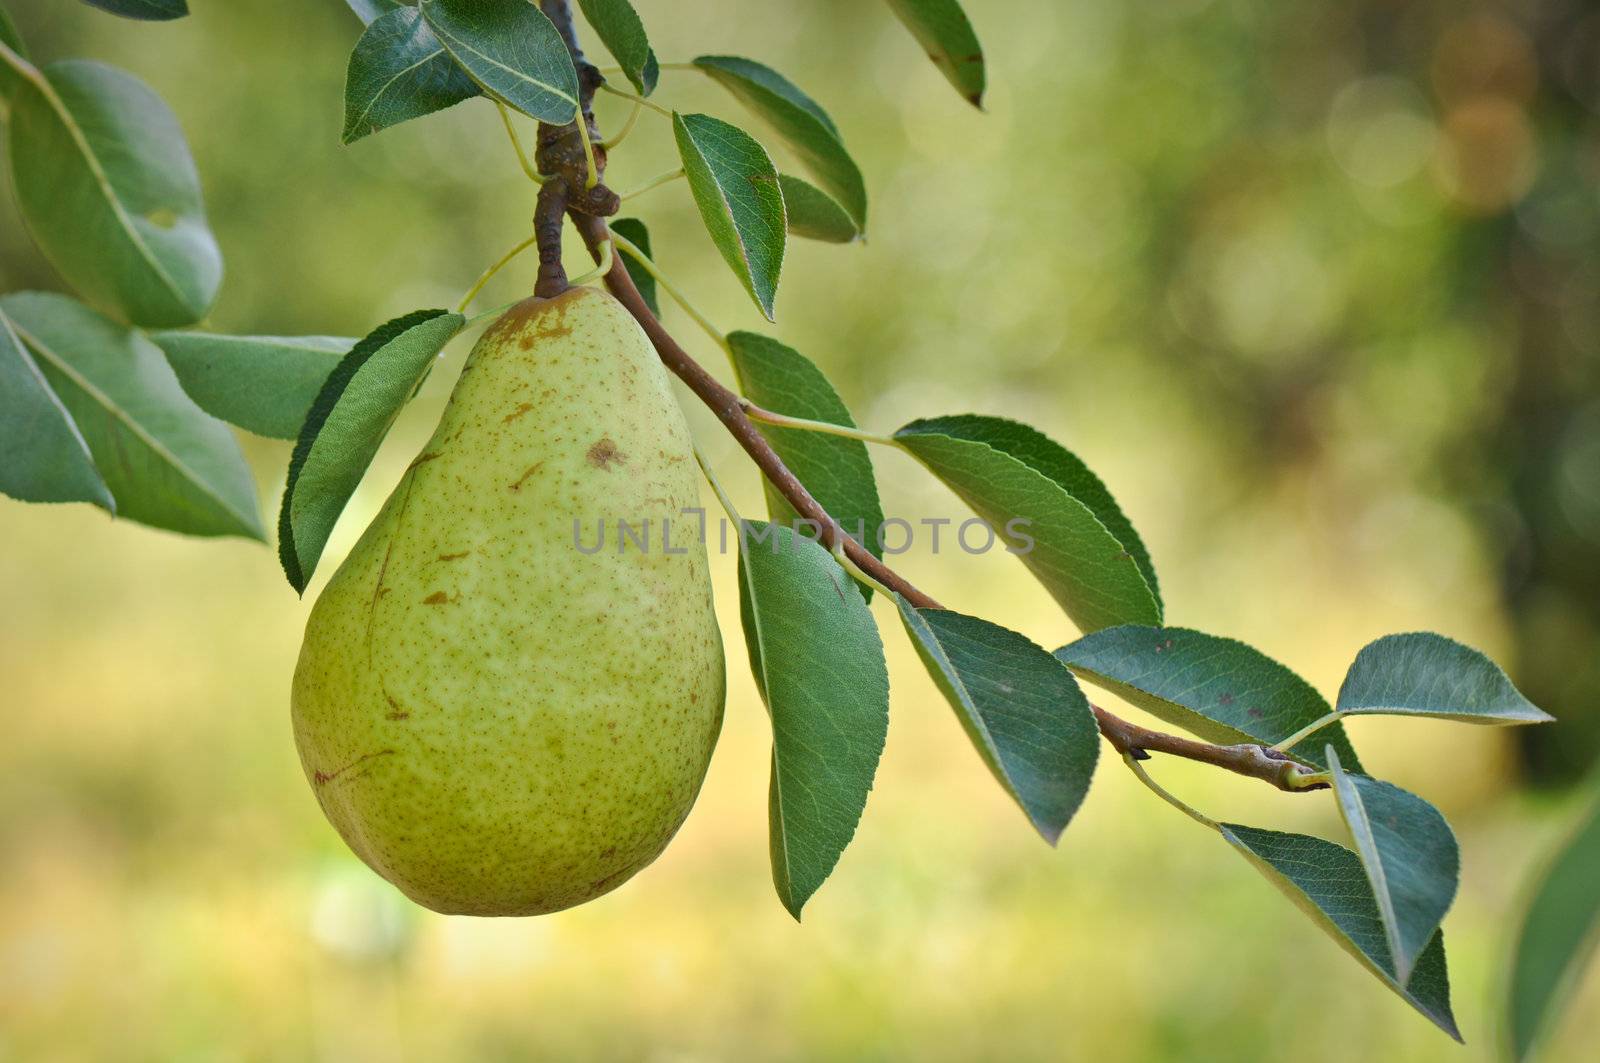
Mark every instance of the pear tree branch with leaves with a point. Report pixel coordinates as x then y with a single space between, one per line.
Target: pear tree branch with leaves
114 397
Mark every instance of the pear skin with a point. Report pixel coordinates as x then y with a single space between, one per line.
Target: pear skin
497 717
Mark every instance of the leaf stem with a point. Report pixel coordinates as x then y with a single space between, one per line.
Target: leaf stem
856 570
472 292
593 176
716 487
484 315
516 143
1166 795
782 420
629 248
627 127
654 182
656 107
16 62
1306 732
599 271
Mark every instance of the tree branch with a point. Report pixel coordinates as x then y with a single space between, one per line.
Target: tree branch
1255 761
555 157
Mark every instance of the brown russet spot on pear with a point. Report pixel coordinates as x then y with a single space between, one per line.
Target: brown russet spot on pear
527 724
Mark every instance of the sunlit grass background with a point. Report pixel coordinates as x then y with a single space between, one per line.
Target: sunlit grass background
1206 245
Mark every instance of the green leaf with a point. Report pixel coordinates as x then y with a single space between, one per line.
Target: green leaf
369 11
1423 674
837 471
818 663
353 411
1044 455
399 71
106 184
621 31
1217 688
264 384
735 186
1021 709
1326 882
945 33
813 214
46 457
1069 532
12 40
800 122
1410 856
1558 937
167 463
145 10
634 231
512 51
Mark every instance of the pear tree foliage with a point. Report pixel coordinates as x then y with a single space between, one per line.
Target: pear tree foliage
113 393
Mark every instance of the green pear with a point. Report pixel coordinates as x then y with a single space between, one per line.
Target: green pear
498 717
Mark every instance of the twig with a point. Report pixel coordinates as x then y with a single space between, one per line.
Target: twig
1280 770
731 408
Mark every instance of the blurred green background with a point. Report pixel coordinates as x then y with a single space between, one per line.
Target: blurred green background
1315 288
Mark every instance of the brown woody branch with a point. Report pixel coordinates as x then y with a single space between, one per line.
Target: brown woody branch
560 156
1258 762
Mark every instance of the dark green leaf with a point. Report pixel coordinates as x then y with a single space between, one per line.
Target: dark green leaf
945 33
512 51
398 71
818 663
352 413
1220 689
46 457
1068 531
146 10
12 40
633 230
1410 855
835 470
167 463
1044 455
623 34
797 119
813 214
369 11
1326 882
1558 937
1423 674
1021 708
105 182
264 384
735 186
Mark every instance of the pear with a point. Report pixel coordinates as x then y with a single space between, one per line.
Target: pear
498 717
